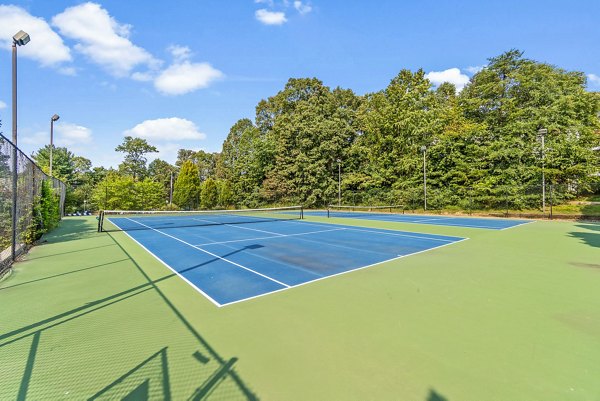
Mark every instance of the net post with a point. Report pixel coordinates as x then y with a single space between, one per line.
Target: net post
100 217
301 212
328 213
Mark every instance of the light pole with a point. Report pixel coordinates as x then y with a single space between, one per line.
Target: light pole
424 150
52 119
171 190
542 133
339 161
20 39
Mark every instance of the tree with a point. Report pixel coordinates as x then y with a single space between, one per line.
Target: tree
184 155
396 122
186 193
225 194
210 194
307 128
135 150
63 162
115 192
161 172
514 97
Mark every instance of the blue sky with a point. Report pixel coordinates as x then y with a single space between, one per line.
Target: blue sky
180 73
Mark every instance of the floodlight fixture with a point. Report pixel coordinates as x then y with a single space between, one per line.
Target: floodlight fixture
21 38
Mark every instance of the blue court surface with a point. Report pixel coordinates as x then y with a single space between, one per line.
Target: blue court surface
468 222
229 263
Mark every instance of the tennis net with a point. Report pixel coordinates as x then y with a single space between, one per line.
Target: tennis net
356 211
127 220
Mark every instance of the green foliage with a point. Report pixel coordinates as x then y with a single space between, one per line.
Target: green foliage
225 194
118 192
135 150
307 138
45 214
209 194
64 162
162 172
186 192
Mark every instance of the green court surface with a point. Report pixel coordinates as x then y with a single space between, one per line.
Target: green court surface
505 315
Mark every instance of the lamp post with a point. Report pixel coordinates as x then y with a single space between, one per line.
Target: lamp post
339 161
20 39
424 150
542 133
52 119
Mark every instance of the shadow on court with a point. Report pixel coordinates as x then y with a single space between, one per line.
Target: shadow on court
135 377
435 396
591 235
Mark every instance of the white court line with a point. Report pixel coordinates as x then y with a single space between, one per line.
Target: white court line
406 235
384 231
450 218
170 268
279 262
283 235
517 225
344 272
231 225
212 254
279 236
286 286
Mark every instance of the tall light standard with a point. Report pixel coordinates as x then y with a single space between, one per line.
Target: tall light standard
20 39
542 133
424 150
339 161
52 119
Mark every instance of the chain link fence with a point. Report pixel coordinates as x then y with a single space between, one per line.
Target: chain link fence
29 182
533 201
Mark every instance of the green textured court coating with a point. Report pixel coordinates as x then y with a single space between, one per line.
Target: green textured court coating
506 315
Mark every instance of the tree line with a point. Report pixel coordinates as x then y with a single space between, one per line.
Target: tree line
308 138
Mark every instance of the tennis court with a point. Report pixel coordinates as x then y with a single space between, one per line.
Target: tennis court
232 257
372 213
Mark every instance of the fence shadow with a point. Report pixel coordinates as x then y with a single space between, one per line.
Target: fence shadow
150 378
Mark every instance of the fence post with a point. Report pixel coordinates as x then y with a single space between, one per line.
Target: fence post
551 199
470 195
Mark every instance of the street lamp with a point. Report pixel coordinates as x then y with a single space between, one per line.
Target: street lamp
542 133
424 150
339 161
20 39
52 119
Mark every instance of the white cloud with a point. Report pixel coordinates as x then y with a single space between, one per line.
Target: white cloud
180 53
185 77
594 79
166 130
270 3
142 76
38 139
101 38
452 75
68 134
2 105
302 8
270 17
46 46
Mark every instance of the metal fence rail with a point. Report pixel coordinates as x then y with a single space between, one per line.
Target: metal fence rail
29 178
